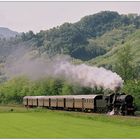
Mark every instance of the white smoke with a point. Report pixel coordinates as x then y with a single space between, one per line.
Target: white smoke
90 76
82 74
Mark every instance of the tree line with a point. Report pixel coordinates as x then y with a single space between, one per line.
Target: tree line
15 89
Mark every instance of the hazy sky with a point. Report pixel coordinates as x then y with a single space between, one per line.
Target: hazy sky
36 16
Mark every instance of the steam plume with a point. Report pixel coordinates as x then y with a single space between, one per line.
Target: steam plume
83 74
90 76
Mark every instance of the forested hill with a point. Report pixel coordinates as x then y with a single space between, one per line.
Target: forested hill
86 39
77 39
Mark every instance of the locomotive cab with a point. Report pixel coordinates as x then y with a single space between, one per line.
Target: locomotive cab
100 104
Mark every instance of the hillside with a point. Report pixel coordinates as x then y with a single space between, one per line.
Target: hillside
7 33
75 39
110 57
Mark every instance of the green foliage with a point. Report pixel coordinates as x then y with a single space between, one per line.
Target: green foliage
124 65
133 87
67 89
110 58
15 89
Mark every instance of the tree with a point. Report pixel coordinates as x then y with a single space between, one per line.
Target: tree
124 65
67 89
133 87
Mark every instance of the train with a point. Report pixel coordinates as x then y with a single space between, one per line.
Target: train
115 103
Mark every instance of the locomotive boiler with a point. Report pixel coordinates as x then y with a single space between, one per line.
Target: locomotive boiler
120 103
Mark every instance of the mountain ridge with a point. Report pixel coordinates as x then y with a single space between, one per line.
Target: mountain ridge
7 33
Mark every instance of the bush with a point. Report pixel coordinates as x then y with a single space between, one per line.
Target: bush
133 87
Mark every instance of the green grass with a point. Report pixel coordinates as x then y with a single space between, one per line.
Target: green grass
38 123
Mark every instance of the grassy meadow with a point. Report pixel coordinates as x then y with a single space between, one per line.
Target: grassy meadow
18 122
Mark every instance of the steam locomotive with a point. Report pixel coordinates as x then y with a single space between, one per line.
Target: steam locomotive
115 103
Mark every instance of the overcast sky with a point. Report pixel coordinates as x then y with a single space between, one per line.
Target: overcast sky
36 16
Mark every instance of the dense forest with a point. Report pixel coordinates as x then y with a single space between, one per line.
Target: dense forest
105 39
